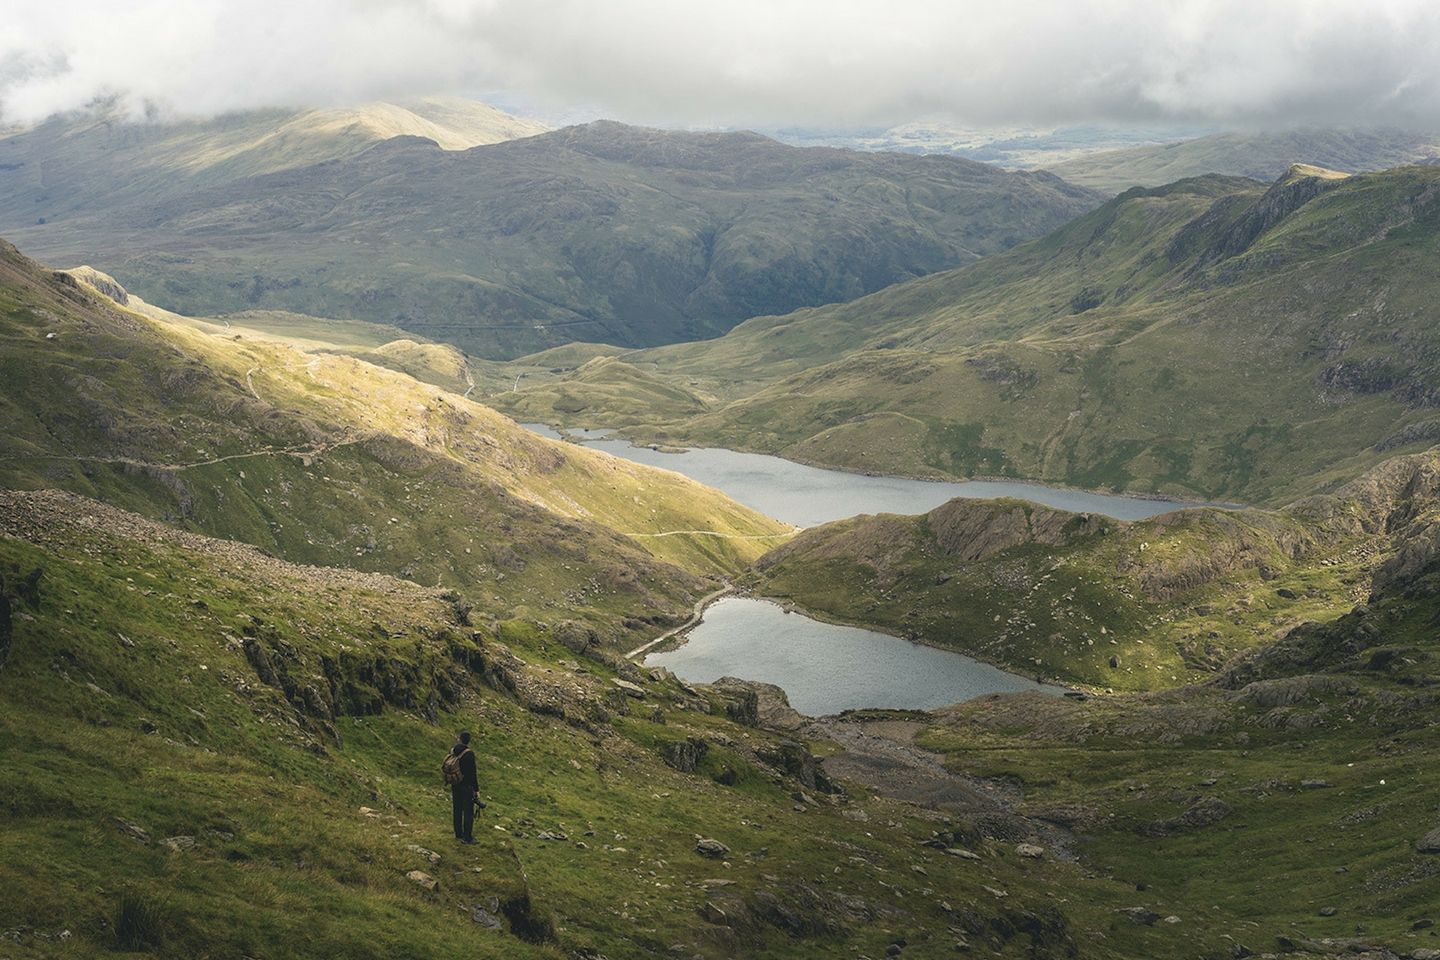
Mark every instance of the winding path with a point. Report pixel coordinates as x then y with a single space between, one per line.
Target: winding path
695 616
302 452
712 533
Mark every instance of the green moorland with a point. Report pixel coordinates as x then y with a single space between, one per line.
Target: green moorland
599 232
1212 339
322 458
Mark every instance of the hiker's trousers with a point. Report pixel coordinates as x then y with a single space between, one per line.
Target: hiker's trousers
462 799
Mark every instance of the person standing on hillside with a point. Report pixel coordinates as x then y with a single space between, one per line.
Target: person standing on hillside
459 771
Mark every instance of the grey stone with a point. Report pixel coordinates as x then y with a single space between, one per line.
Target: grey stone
713 849
423 879
1140 915
430 855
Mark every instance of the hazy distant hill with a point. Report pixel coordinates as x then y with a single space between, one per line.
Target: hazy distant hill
75 162
597 232
1215 338
1260 156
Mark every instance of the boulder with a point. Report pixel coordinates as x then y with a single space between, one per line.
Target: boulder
713 849
430 856
685 755
1140 915
1430 843
484 917
629 689
795 760
422 879
179 844
574 636
1031 851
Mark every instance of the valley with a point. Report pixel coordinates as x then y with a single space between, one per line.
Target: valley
832 554
1216 339
601 232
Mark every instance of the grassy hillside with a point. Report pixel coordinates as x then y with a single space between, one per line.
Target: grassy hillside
1260 156
214 753
1086 599
601 232
1213 339
323 458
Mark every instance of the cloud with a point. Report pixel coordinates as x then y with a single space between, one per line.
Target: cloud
810 63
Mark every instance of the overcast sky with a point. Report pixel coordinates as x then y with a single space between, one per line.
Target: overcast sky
809 63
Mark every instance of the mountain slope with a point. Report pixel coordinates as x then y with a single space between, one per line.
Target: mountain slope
211 752
1260 156
322 458
1215 338
600 232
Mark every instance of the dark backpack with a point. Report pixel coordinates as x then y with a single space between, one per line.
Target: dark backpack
450 767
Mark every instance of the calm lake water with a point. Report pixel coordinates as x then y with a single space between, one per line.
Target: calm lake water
827 668
806 496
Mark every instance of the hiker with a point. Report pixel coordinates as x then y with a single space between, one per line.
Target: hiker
459 771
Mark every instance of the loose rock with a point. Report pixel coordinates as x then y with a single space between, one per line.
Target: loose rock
423 879
713 849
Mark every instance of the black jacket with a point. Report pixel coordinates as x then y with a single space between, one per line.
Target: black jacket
467 767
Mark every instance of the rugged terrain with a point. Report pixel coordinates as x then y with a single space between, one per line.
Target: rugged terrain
322 458
601 232
1214 339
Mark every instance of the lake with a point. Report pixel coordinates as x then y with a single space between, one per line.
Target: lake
805 496
826 668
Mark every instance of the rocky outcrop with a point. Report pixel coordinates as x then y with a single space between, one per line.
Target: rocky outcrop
771 706
794 760
685 755
970 530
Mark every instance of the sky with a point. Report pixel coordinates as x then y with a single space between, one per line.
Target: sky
736 63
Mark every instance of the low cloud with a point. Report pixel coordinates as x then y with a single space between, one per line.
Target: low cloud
810 63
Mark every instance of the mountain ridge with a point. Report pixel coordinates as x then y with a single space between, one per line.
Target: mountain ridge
596 232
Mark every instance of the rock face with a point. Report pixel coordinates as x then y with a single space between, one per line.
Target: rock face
1430 843
796 761
771 706
685 755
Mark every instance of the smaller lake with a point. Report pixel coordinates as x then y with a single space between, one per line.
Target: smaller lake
806 496
826 668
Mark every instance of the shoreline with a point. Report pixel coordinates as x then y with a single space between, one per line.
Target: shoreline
620 433
681 634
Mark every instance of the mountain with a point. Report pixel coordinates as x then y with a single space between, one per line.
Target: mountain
600 232
1260 156
94 158
1214 339
322 458
251 584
